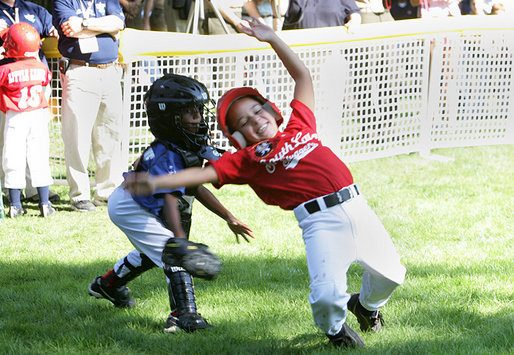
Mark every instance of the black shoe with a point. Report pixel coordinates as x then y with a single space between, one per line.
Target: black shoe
16 211
171 323
120 297
46 210
83 206
346 338
368 320
52 197
189 322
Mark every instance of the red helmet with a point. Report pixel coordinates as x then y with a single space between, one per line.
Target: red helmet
226 101
22 40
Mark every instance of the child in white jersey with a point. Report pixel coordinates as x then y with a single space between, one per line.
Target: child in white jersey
292 169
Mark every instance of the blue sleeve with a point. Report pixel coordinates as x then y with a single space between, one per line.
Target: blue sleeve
113 7
62 10
163 163
46 20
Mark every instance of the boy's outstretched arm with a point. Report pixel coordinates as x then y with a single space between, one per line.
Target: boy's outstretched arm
304 89
214 205
144 184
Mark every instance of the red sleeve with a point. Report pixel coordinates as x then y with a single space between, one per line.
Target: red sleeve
232 168
300 117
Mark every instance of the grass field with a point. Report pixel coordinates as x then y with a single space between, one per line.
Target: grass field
451 222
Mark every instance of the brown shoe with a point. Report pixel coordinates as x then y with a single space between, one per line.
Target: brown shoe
346 338
368 320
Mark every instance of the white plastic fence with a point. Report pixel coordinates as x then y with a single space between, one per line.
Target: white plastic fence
394 88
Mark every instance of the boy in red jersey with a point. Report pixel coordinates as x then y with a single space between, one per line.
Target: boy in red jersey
23 100
292 169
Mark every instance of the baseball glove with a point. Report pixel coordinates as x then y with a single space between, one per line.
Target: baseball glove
195 258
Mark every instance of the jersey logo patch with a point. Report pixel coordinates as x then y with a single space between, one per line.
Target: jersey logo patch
263 149
100 7
30 18
149 154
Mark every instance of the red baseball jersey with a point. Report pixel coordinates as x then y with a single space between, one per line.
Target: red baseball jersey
288 169
22 85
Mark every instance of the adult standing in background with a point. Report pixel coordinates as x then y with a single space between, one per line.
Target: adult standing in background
438 8
91 95
373 11
230 10
404 10
265 10
11 12
322 13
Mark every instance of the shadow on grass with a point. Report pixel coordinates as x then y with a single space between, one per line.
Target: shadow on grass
46 308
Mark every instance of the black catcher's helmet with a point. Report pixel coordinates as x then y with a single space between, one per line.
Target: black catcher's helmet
164 102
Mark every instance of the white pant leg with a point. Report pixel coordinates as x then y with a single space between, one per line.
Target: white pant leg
376 253
107 134
14 155
80 104
2 124
330 250
38 149
334 239
144 230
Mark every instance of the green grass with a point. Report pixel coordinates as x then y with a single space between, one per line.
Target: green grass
451 222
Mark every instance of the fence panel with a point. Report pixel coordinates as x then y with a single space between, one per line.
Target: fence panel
394 88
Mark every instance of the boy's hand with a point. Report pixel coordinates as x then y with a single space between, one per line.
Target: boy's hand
240 229
139 184
257 29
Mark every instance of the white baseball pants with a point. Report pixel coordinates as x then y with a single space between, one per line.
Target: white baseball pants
335 238
144 230
26 144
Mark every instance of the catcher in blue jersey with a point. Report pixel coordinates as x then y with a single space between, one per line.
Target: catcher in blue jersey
158 225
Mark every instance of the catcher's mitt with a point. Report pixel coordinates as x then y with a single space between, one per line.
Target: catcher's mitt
195 258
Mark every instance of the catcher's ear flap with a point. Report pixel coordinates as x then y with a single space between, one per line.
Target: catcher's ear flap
238 136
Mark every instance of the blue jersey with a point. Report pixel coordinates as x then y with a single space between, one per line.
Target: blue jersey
69 46
159 160
30 13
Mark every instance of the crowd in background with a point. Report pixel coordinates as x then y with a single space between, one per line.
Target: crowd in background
172 15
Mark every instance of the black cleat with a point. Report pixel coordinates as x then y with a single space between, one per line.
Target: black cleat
346 338
120 297
368 320
188 322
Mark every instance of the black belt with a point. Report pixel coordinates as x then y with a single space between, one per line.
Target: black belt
333 199
87 64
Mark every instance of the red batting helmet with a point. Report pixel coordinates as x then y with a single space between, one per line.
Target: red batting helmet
22 40
226 101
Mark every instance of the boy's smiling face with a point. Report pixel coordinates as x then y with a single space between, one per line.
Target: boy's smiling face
247 116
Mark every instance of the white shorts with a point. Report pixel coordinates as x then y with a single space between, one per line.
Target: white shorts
26 144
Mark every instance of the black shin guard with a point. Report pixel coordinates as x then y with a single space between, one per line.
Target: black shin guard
127 272
181 292
183 301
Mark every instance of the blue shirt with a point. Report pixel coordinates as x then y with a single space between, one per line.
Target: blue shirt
30 13
69 46
159 160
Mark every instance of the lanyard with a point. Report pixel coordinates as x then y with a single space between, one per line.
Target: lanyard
16 18
85 13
